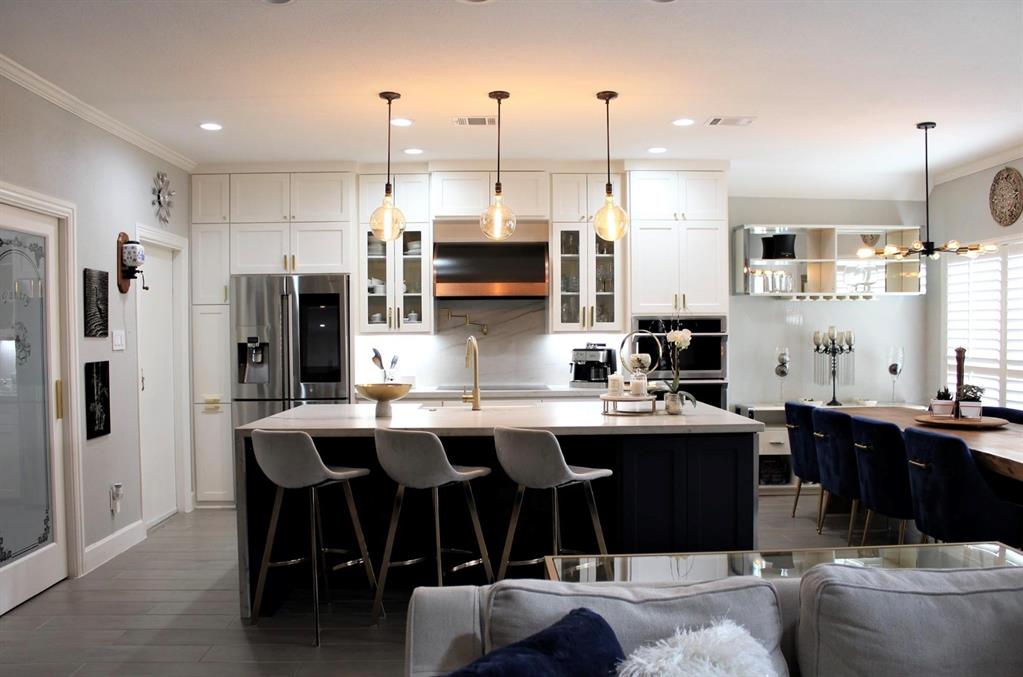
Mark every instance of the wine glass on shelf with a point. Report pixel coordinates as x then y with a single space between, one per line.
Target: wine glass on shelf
896 360
781 369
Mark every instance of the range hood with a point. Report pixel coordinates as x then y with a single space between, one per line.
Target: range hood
490 270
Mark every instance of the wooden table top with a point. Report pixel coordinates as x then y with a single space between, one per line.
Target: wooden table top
999 449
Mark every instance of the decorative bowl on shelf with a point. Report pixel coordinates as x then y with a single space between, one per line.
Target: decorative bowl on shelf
383 394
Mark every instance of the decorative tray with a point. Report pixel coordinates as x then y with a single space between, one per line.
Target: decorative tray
982 423
611 403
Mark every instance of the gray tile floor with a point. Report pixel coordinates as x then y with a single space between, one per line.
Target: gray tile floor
169 607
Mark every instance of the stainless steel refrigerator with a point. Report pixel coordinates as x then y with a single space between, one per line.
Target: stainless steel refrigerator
290 343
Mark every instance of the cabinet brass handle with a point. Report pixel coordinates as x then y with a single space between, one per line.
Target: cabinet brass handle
389 320
919 464
58 399
582 316
684 306
819 435
225 293
792 426
285 262
293 266
865 447
592 318
674 301
397 318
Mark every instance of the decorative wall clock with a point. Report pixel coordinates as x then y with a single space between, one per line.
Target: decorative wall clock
1006 196
162 195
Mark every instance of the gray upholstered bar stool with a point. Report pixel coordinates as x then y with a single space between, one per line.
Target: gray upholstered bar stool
533 459
290 460
416 460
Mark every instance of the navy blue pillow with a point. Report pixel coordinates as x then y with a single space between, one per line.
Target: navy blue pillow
581 644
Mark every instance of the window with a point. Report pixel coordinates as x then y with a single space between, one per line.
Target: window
984 314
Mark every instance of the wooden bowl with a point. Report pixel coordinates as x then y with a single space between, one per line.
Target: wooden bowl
383 394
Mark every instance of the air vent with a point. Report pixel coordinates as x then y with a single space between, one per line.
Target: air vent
475 120
733 121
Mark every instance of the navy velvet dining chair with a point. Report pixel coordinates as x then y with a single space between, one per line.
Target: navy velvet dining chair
836 458
951 500
883 472
799 423
1010 415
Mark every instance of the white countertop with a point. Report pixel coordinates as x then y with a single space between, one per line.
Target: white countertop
563 418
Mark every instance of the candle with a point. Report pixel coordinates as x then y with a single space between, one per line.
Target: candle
817 338
637 386
832 333
849 338
615 384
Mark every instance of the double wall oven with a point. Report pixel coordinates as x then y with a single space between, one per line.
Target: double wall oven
704 365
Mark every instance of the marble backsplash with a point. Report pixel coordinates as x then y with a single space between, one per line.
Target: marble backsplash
515 351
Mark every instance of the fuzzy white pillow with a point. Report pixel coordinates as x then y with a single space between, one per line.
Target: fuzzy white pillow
721 650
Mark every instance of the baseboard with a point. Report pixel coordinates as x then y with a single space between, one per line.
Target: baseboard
105 549
215 505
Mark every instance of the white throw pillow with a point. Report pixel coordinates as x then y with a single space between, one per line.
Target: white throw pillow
721 650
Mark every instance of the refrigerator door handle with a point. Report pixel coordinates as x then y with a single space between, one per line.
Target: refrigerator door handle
287 345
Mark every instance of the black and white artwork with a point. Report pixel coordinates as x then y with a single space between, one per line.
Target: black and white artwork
97 399
96 292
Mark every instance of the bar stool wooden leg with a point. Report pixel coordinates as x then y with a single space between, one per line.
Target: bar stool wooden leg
866 527
852 518
264 566
314 557
378 601
474 515
820 507
324 571
506 554
436 536
799 486
556 523
598 530
902 532
360 538
824 509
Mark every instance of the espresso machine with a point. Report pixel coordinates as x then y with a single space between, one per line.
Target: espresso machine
592 365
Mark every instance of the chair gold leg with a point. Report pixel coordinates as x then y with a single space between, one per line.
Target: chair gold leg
826 499
902 532
598 530
866 527
315 552
378 601
360 538
852 518
799 486
474 515
264 566
324 571
435 492
506 554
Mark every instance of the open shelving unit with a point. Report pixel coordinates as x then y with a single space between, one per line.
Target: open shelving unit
826 265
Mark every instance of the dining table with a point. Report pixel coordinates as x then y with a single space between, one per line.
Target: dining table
999 450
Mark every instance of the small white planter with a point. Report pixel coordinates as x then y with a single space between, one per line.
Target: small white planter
970 409
942 407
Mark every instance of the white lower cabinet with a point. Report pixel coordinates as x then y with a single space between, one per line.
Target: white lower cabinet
214 457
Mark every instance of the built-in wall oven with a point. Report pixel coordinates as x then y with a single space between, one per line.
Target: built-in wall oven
703 366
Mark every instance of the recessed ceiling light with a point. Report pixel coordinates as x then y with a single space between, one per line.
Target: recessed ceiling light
683 122
276 2
657 150
401 122
413 151
211 126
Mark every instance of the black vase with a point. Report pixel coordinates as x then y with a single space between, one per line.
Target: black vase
768 244
784 246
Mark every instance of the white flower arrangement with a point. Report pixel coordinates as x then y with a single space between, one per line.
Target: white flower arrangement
680 338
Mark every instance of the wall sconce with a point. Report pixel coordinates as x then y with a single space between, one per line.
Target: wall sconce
130 257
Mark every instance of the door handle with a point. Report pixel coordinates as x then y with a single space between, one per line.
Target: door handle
389 318
592 313
58 399
397 318
674 301
582 316
225 293
684 306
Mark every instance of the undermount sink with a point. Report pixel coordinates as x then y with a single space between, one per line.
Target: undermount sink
466 406
497 386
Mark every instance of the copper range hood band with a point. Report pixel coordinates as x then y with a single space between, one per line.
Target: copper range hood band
505 289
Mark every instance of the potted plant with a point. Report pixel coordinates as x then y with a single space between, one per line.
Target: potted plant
969 401
942 404
675 398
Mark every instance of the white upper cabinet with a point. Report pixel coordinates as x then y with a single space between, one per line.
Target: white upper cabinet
321 196
704 267
371 194
569 198
412 196
321 248
677 195
211 262
211 358
260 198
679 267
655 268
260 248
211 198
526 193
460 194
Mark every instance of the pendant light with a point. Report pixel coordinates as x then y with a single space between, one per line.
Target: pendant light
387 222
498 222
926 247
610 222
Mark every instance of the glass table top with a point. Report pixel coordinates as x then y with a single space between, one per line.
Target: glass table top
697 567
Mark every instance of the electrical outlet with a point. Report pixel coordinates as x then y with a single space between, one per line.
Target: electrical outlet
116 494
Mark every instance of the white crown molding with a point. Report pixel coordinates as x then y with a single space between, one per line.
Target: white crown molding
1007 155
40 86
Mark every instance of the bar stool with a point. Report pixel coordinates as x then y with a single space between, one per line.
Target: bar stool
799 422
416 460
836 457
533 460
951 500
883 473
290 461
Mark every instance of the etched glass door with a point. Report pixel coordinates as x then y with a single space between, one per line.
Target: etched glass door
605 284
31 510
569 277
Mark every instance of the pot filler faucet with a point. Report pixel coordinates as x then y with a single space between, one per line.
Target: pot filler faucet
472 358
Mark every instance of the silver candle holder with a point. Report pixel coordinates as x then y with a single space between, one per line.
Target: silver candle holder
833 344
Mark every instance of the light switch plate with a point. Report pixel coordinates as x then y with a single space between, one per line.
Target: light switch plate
117 339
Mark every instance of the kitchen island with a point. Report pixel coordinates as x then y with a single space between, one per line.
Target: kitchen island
681 483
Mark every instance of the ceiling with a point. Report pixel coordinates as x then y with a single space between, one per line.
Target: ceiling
836 87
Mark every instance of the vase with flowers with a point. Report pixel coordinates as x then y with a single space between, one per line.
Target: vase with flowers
675 398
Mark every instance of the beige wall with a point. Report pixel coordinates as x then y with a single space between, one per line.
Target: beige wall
49 150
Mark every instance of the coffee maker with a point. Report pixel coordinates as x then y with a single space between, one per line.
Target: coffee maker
592 365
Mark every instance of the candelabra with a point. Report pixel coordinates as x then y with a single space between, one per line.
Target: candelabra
833 344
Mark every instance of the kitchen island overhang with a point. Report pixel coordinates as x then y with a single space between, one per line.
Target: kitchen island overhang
681 483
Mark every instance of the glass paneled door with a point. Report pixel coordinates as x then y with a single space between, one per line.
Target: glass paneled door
32 540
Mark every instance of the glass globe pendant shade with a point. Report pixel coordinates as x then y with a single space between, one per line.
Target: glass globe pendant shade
611 223
498 221
387 222
865 252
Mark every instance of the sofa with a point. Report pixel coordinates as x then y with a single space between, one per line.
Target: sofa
838 620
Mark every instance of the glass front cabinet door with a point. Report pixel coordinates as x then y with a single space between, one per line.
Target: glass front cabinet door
588 278
396 287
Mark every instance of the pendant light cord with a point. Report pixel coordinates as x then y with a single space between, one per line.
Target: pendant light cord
387 188
497 188
927 189
607 130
